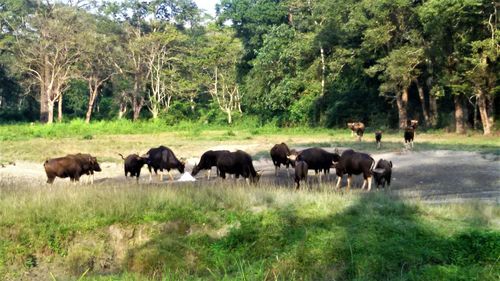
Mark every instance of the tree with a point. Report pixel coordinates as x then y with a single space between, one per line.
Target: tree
163 50
221 57
47 50
97 63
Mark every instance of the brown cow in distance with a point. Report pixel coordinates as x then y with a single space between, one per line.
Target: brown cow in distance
358 128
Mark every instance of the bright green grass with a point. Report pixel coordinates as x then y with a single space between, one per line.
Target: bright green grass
217 232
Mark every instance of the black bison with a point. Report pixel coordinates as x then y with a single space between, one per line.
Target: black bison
354 163
280 154
382 173
378 138
317 159
133 165
238 163
207 161
162 158
300 172
358 128
72 166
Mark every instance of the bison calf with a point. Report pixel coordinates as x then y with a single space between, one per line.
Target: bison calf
133 165
378 138
382 173
409 135
300 172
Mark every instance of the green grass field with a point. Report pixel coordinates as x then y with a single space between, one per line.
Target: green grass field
214 232
106 139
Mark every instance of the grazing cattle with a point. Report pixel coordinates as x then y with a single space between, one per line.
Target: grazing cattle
300 172
318 159
207 161
382 173
280 155
358 128
72 166
161 158
133 165
378 138
354 163
409 135
88 163
238 163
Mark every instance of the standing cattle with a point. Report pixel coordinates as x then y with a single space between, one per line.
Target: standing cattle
238 163
133 165
409 135
161 158
207 161
378 138
358 128
354 163
72 166
318 159
382 173
280 154
300 172
88 163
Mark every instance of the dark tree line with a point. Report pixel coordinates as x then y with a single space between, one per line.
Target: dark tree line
293 62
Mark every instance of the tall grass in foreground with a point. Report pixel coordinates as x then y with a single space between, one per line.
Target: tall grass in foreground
214 232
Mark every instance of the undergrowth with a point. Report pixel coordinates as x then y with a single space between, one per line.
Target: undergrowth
215 232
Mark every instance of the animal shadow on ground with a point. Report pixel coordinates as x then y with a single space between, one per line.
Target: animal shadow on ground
379 237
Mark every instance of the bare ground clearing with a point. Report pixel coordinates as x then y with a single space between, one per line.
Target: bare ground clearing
434 176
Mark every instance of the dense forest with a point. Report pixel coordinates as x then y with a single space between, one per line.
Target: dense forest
291 62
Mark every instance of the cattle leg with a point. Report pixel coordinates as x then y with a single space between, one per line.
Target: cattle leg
150 176
369 180
349 179
208 173
92 180
339 180
170 176
275 171
364 184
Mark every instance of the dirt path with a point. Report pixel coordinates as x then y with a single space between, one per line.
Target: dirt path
436 176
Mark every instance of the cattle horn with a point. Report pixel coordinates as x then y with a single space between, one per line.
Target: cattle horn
378 170
121 156
336 150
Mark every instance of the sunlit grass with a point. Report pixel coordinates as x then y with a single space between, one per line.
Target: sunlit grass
238 232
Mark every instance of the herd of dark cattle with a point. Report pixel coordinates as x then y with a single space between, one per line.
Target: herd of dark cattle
239 163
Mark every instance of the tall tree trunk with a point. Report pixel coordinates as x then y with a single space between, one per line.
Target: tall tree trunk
44 109
44 97
50 112
136 107
90 105
323 69
122 110
459 114
59 109
433 110
483 111
402 102
229 116
421 95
